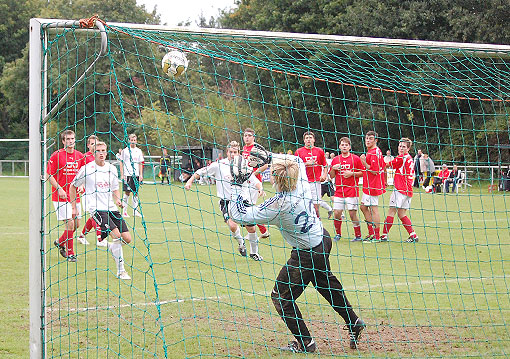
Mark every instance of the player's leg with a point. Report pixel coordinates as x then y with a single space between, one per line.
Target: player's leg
264 231
315 189
125 197
254 243
376 222
367 213
388 222
338 207
290 284
406 221
120 236
353 213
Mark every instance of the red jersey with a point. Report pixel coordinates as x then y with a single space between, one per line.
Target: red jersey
89 157
315 153
444 174
64 166
404 174
347 187
373 184
246 154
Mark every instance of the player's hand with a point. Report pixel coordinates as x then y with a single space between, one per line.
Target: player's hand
363 158
323 178
262 193
61 193
80 190
140 179
187 186
348 174
336 167
118 202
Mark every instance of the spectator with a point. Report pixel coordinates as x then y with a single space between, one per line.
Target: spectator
453 178
165 165
388 158
440 178
417 169
427 167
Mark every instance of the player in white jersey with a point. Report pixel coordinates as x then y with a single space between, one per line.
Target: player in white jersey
131 171
292 210
220 172
101 184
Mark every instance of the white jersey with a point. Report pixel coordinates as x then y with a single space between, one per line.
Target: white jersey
250 186
291 212
99 182
220 172
131 158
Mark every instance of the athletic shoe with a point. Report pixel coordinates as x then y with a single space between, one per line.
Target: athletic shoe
137 214
330 214
384 238
103 243
412 239
356 239
125 214
355 332
295 347
266 234
369 238
83 240
123 275
337 238
72 258
242 250
61 249
256 257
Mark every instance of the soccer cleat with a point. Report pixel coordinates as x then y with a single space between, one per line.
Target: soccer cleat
61 249
330 214
266 234
384 238
137 214
295 347
125 214
242 250
256 257
337 238
369 238
83 240
412 239
123 275
72 258
355 332
356 239
102 243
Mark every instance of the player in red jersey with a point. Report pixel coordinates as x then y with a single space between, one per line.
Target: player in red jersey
400 200
63 166
346 168
316 166
373 185
89 157
249 142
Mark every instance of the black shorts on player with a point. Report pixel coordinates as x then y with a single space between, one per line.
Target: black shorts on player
131 184
108 221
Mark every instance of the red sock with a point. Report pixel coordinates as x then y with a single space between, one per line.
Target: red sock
377 235
66 239
357 231
338 225
370 229
387 224
407 224
262 228
88 226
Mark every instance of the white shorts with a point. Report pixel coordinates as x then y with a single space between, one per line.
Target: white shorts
348 203
399 200
316 189
368 200
64 210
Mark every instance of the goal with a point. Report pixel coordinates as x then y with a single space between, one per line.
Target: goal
191 293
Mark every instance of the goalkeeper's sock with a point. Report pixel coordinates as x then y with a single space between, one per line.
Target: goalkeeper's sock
254 243
238 236
117 254
407 224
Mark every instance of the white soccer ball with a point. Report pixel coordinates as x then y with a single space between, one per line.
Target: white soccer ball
428 189
240 167
174 63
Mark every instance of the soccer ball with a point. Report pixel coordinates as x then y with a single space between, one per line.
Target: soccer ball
240 168
174 63
428 189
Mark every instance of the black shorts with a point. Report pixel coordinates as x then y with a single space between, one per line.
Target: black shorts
327 189
131 185
108 221
224 209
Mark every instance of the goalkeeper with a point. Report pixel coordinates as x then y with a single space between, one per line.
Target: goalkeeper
294 214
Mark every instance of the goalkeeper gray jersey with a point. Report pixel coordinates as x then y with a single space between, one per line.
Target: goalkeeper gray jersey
291 212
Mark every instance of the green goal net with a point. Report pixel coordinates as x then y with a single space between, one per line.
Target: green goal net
191 294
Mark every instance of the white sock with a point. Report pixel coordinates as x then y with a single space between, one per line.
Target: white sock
117 254
326 206
238 237
254 243
125 201
135 203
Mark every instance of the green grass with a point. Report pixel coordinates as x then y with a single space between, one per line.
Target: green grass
447 295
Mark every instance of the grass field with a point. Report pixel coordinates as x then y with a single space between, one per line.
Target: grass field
445 296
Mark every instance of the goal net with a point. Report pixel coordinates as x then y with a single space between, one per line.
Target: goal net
191 294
